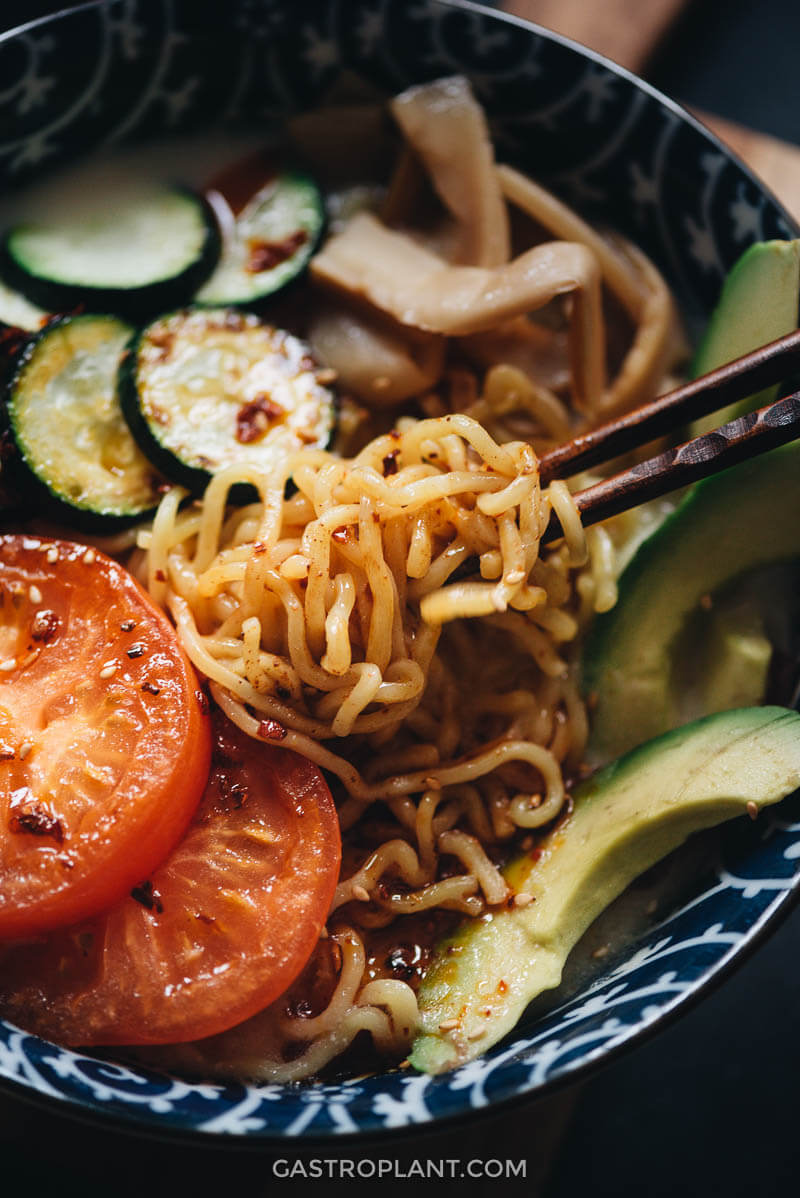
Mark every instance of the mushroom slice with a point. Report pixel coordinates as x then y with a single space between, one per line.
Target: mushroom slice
447 129
392 272
378 361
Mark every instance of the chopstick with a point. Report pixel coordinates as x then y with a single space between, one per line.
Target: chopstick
738 440
745 376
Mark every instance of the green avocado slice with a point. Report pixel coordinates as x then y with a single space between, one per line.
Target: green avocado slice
740 520
624 819
758 302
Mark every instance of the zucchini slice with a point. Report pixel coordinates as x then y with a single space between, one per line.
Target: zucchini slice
68 426
132 254
206 388
268 243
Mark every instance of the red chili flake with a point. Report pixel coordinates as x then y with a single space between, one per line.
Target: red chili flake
8 447
265 255
146 894
344 533
32 817
390 463
7 753
160 576
400 961
271 730
283 693
233 795
254 418
206 919
202 699
44 626
136 650
151 688
502 986
13 339
127 625
162 340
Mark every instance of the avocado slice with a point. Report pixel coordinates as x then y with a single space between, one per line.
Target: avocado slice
726 662
758 302
737 521
624 819
720 530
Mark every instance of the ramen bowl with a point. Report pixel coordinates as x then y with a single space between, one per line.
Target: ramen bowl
623 154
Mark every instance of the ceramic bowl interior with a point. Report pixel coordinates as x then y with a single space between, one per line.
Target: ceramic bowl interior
113 71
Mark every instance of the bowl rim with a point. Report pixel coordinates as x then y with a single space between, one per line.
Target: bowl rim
142 1121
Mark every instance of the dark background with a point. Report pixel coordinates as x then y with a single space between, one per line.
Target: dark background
707 1107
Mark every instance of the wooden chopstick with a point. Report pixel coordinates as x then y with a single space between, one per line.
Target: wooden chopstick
743 438
746 376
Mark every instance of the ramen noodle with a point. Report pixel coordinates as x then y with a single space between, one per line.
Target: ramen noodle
386 607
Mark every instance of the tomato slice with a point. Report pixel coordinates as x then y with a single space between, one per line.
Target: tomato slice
215 934
105 740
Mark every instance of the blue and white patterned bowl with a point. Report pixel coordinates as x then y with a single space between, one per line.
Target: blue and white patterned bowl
116 69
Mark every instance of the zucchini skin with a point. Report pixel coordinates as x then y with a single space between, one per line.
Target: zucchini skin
24 480
174 465
14 496
194 479
132 303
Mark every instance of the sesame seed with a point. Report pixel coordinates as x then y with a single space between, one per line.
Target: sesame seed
477 1034
52 554
522 899
109 670
752 809
361 893
89 556
7 665
449 1025
600 952
34 594
25 749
